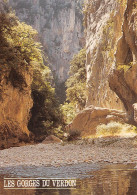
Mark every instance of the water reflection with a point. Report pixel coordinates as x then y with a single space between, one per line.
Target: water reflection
112 180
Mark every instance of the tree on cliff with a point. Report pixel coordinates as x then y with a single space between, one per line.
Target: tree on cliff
76 83
76 86
20 52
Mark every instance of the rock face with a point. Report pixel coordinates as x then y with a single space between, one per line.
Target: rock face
111 42
101 46
112 54
15 94
87 120
14 112
123 79
60 27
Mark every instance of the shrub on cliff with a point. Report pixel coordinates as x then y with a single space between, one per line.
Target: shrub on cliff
76 86
68 111
76 83
18 49
20 53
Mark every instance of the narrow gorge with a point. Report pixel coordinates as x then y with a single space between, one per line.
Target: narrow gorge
111 43
109 30
68 97
61 32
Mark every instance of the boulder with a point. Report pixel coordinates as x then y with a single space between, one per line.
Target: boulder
87 120
52 139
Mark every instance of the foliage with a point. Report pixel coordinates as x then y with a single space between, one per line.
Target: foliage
115 128
45 112
124 67
76 87
122 2
87 9
68 111
20 53
18 49
76 83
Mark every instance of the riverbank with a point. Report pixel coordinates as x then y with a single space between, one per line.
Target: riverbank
99 150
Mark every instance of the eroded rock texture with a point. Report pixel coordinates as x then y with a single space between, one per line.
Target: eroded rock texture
15 95
101 40
87 121
111 42
15 105
60 27
123 79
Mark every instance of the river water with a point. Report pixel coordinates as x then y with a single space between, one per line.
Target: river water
91 179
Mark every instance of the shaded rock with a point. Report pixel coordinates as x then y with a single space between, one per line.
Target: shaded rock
124 81
15 95
31 136
24 138
87 120
52 139
74 135
40 138
11 135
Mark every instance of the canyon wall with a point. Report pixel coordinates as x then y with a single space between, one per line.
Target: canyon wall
103 29
60 27
111 43
14 111
123 78
15 89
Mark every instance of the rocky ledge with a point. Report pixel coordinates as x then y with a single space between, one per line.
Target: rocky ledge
87 120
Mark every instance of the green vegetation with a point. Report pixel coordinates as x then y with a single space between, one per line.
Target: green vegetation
76 86
122 2
46 114
87 9
68 111
21 53
115 129
124 67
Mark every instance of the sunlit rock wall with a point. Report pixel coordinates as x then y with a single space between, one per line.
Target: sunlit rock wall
60 27
103 22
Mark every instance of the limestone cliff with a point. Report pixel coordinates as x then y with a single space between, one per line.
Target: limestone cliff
111 43
14 111
59 23
101 40
15 87
112 47
123 78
